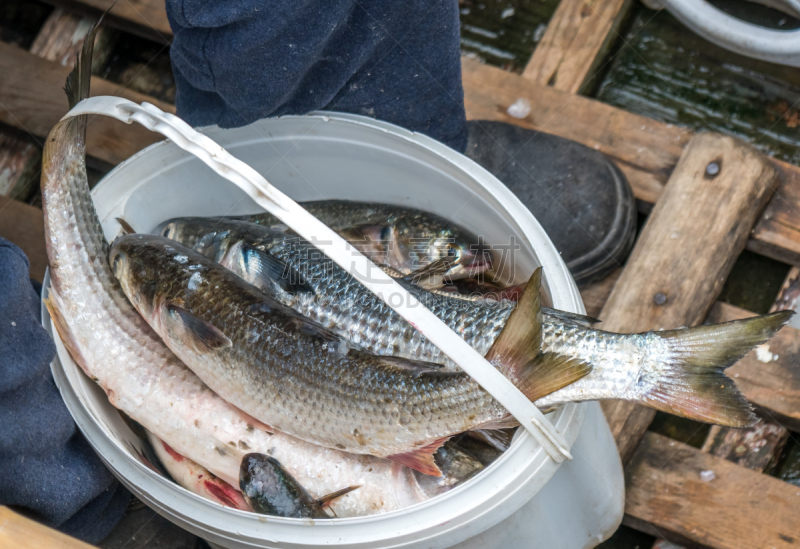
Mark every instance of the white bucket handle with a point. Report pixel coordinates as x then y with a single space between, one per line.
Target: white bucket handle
731 33
336 248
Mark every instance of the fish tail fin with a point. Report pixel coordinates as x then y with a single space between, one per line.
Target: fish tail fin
326 500
517 350
692 383
77 85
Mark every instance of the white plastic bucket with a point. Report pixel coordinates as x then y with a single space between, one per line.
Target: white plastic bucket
524 499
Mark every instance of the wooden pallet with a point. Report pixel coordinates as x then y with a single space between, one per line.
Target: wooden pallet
750 203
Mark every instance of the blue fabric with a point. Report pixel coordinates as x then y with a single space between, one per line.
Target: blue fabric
47 469
236 62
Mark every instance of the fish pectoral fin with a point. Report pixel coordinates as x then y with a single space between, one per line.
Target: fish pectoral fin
326 500
421 459
504 423
202 335
417 367
548 373
256 423
270 269
432 274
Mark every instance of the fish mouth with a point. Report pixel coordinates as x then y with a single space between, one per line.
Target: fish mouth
479 261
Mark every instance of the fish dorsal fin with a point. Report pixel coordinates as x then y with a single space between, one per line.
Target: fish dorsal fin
126 227
521 339
421 459
327 499
517 350
583 320
268 270
202 335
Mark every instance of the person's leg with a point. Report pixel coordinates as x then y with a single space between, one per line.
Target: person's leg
395 61
47 468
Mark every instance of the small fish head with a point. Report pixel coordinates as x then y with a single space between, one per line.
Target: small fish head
271 490
136 269
206 235
417 244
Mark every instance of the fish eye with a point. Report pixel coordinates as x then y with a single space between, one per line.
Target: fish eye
386 232
115 264
453 251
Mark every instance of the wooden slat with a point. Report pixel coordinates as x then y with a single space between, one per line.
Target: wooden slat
577 38
32 99
738 509
143 17
59 40
645 150
22 533
19 163
24 226
684 254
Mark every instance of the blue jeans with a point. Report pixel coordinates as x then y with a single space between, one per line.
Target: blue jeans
238 62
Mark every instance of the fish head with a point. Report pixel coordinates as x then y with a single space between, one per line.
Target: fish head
136 268
155 271
416 244
271 490
208 235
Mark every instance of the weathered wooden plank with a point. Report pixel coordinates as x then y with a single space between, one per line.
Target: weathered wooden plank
645 150
143 17
23 533
33 100
596 294
577 37
685 252
24 226
59 40
19 163
737 509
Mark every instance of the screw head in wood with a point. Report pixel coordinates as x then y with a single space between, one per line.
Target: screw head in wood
659 298
712 169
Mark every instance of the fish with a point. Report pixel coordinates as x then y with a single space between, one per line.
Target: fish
115 347
301 379
403 238
271 490
677 371
457 467
196 478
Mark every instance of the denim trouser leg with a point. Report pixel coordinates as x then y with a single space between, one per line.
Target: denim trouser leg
237 62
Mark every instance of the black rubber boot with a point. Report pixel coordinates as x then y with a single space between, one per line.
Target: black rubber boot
579 196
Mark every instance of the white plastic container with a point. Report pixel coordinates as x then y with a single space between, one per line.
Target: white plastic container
524 499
